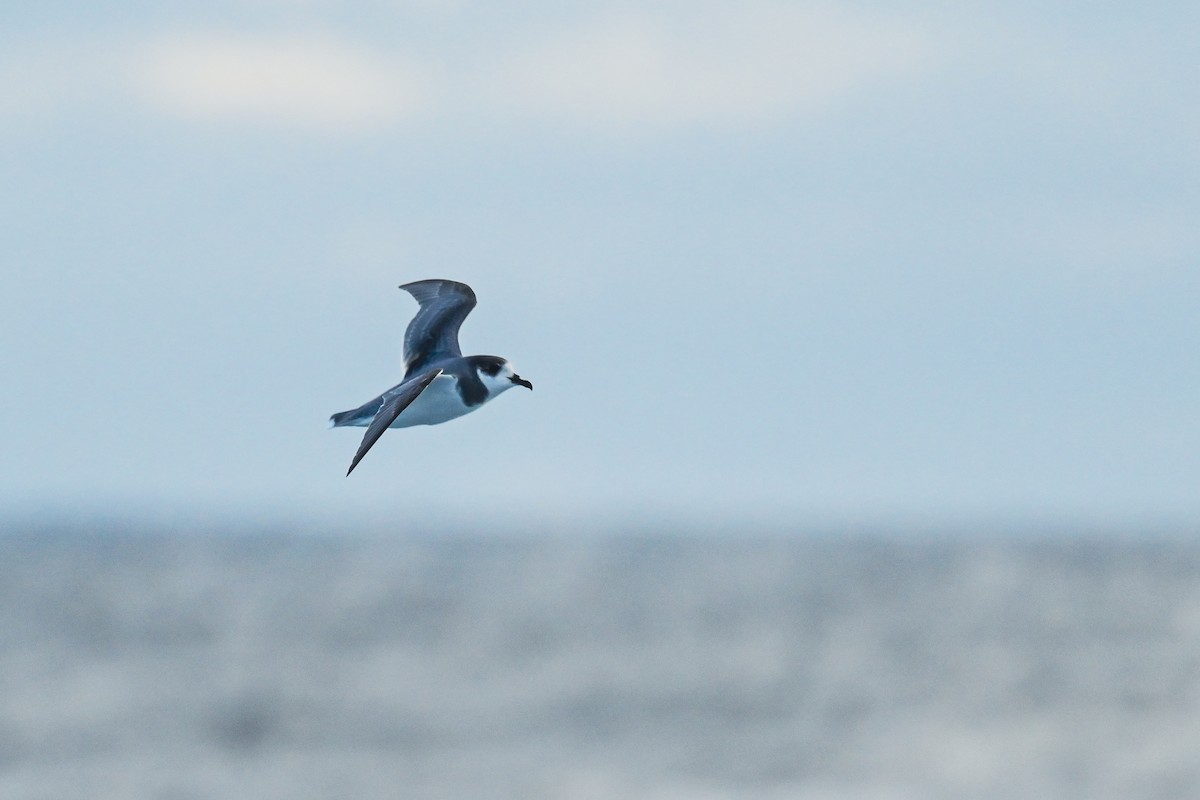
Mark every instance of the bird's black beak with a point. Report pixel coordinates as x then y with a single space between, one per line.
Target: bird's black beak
519 381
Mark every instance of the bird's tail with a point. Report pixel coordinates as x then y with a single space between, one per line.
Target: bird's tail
341 418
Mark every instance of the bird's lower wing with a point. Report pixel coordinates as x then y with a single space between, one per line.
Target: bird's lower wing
391 408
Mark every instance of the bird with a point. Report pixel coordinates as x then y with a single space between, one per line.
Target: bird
440 383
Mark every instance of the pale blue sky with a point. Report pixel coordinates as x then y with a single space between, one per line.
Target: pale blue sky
802 263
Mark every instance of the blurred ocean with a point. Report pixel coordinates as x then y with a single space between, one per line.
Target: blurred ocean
269 666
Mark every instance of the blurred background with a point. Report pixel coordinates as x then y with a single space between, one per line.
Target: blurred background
862 460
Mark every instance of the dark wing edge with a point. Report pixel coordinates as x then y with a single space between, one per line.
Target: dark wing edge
392 407
433 288
433 332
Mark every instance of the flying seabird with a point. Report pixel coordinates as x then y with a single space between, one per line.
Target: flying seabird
440 383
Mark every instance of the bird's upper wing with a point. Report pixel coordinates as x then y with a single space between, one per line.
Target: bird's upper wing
394 402
433 333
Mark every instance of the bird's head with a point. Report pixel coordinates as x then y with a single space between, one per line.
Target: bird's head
497 374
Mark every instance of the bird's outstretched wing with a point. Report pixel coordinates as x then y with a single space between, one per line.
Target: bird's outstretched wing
433 332
393 404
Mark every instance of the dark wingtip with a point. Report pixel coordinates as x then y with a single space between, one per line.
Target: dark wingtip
418 289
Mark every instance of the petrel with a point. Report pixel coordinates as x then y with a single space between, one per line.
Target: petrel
440 383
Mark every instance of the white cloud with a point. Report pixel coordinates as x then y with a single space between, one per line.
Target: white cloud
311 82
617 67
731 65
315 83
734 65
